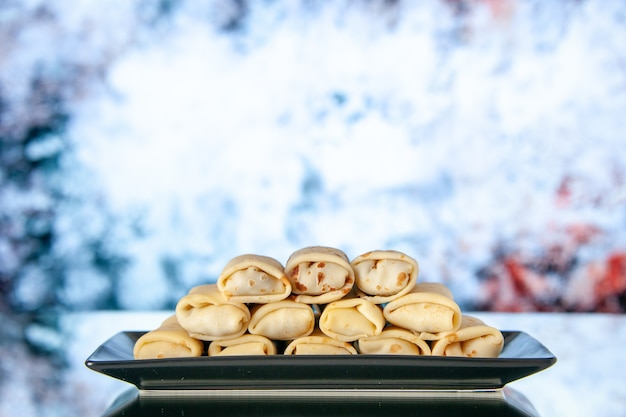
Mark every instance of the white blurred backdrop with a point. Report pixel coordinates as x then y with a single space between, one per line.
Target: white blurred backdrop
146 143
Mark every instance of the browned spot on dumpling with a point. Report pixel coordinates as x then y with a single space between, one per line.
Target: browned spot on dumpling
295 272
300 286
395 348
401 279
321 265
320 277
251 283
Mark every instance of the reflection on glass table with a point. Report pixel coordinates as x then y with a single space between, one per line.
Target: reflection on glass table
504 402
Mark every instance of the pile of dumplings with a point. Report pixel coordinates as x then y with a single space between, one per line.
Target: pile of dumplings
320 303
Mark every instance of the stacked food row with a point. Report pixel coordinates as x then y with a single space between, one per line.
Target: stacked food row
320 302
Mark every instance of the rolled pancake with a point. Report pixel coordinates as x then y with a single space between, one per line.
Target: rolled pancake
319 344
254 279
394 341
282 320
169 340
349 319
428 309
319 274
474 339
247 344
384 275
207 315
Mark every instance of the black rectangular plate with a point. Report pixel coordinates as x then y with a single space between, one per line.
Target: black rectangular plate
521 356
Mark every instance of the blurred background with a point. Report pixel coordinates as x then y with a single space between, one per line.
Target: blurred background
145 143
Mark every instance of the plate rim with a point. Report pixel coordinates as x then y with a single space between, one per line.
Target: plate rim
122 368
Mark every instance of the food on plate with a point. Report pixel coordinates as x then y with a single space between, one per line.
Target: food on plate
319 274
247 344
428 309
320 303
384 275
474 339
394 341
319 344
282 320
254 279
349 319
169 340
208 315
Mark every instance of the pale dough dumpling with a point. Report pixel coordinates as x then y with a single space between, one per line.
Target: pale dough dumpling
428 310
169 340
246 344
207 315
319 344
254 279
319 274
384 275
351 318
474 339
282 320
394 341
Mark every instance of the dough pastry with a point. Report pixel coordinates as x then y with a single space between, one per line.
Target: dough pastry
349 319
207 315
384 275
169 340
282 320
428 309
247 344
254 279
319 344
474 339
319 274
394 341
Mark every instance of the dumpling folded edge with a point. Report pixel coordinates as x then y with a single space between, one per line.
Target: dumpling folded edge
381 255
269 265
313 254
206 326
168 333
473 339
